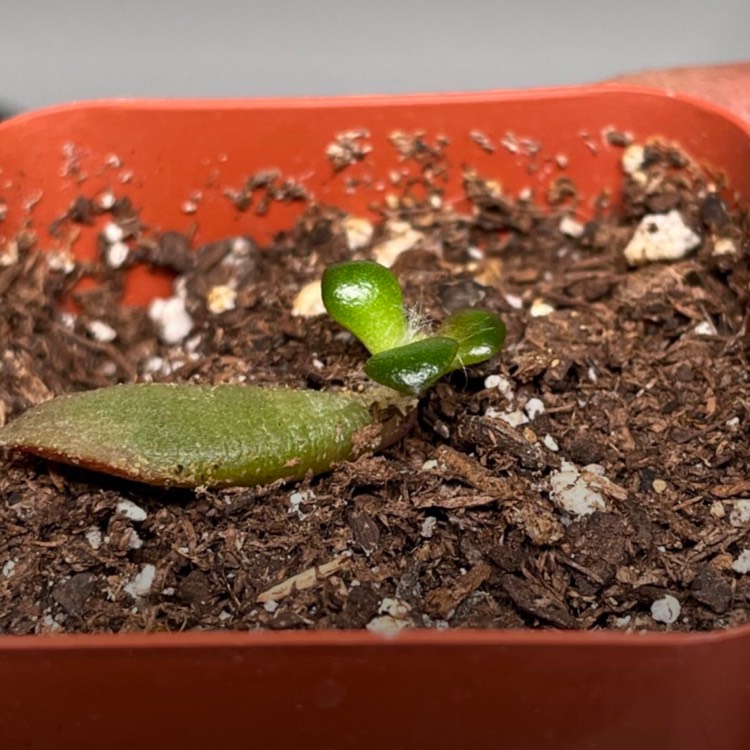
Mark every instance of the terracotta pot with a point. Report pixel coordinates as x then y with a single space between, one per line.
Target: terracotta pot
461 689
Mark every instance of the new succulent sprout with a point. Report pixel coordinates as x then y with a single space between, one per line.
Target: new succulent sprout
189 435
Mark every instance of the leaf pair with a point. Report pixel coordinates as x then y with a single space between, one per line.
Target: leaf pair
366 299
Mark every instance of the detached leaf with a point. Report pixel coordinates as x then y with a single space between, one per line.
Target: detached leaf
189 435
413 368
365 298
479 334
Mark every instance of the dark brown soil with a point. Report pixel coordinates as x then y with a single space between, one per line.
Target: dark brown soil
616 419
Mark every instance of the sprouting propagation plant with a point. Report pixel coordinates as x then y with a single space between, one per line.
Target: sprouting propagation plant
189 435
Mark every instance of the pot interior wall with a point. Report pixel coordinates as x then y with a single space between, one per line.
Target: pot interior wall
164 154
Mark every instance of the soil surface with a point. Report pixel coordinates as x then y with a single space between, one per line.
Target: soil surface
592 476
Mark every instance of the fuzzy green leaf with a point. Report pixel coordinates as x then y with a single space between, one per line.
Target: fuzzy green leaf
479 334
189 435
365 298
413 368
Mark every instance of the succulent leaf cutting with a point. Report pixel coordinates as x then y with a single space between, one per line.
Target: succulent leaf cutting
191 435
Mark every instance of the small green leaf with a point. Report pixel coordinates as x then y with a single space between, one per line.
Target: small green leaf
479 334
365 298
189 435
413 368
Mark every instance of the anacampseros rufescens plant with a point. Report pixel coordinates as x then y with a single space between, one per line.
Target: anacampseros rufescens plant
191 435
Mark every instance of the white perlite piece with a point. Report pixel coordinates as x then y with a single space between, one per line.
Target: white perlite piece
534 407
131 511
514 301
295 502
571 492
116 254
550 443
221 298
172 320
394 608
61 260
740 514
632 158
140 586
106 200
358 232
386 625
502 384
661 237
666 610
8 568
309 301
113 233
742 563
705 328
428 527
571 227
9 254
393 616
724 246
540 308
514 418
101 331
94 537
401 237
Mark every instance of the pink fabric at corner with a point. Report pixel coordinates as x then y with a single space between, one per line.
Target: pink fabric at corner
725 85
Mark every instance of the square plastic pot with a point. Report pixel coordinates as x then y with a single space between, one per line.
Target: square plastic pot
314 690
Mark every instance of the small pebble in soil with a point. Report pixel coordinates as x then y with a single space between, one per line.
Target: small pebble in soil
659 486
666 610
717 509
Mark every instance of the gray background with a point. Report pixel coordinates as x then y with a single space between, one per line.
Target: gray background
63 50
